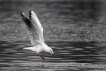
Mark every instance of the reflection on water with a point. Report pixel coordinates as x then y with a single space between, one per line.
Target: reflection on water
65 52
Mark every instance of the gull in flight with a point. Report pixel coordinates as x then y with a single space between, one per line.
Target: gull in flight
35 31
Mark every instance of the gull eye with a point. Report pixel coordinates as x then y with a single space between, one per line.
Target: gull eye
51 50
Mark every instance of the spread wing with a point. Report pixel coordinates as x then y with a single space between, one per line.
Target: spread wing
35 21
32 30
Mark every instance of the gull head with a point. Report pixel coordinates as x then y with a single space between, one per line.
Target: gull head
48 49
51 51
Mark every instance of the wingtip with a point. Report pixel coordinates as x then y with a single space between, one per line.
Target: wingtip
30 14
21 13
30 11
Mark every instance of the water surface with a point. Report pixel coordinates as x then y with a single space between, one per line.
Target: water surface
68 56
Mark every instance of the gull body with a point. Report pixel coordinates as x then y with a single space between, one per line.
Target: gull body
39 48
35 31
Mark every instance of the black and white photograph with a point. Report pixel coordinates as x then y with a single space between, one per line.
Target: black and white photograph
52 35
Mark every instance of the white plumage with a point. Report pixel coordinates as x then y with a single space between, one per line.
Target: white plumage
35 31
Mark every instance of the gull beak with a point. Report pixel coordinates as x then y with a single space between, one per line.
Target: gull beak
52 54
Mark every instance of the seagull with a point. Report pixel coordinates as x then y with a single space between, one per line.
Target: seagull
35 31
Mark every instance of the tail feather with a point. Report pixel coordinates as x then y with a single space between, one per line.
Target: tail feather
27 48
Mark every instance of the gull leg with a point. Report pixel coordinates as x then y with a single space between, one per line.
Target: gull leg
41 56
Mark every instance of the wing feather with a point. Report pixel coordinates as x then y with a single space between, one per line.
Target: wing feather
34 19
32 30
